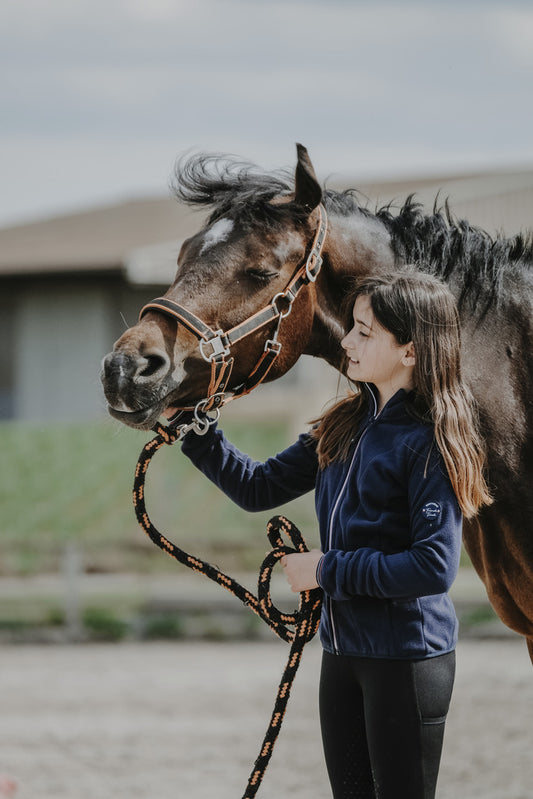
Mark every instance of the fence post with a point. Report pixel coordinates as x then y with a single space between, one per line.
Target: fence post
72 573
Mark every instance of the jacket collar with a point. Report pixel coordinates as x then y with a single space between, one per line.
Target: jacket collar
392 407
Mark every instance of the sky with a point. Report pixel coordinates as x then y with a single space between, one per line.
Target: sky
98 99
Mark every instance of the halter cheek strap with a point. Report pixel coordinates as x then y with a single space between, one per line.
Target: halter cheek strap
215 345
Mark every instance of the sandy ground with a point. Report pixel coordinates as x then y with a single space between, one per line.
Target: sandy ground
185 721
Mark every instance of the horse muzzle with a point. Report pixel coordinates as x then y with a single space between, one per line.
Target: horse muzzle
135 387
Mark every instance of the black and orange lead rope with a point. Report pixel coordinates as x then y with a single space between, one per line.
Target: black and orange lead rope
296 628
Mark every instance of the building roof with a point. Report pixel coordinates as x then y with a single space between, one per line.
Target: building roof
99 239
142 237
498 202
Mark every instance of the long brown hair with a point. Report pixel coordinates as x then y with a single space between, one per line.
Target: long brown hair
417 307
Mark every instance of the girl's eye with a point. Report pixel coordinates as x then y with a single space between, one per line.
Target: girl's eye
364 335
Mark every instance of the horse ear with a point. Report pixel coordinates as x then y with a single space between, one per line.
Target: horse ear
307 190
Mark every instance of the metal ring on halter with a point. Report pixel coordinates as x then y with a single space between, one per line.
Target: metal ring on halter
204 422
283 295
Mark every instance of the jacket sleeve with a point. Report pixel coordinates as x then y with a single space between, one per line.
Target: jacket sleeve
253 485
428 566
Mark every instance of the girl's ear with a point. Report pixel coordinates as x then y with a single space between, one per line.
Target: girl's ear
409 358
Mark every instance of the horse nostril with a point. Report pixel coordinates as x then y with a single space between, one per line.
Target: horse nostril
152 364
121 369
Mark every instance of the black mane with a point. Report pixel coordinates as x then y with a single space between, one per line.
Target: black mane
226 184
443 245
435 242
451 248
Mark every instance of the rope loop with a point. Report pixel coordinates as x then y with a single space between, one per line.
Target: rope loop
296 628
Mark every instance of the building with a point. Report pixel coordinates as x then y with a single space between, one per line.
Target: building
70 285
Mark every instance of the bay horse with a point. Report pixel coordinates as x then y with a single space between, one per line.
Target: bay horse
263 273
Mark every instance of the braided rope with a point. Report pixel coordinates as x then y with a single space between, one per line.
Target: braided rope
304 620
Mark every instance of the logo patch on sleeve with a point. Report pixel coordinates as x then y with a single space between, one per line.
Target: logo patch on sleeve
431 511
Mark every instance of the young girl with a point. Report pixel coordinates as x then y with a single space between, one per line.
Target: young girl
394 467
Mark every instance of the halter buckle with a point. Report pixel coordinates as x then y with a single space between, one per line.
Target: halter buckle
219 343
312 273
272 345
314 261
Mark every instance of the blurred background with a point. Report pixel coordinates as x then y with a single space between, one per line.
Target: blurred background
98 100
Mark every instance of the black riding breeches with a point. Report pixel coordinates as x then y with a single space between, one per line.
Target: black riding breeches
383 724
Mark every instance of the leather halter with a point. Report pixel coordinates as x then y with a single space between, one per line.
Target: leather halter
215 345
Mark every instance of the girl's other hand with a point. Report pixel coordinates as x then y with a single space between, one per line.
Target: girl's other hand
300 569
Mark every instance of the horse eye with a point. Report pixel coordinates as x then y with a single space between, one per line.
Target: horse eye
260 275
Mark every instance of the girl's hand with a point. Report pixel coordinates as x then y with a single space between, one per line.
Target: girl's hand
300 569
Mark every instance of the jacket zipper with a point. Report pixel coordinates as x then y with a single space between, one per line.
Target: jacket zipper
334 511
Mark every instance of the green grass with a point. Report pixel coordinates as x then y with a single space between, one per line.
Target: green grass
103 624
72 483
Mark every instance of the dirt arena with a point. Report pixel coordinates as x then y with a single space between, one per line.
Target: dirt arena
185 721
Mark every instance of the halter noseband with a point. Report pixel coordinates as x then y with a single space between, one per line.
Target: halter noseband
215 345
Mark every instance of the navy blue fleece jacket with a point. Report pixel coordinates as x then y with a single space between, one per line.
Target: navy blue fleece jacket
390 529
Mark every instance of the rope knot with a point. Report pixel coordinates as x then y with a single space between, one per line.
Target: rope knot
169 434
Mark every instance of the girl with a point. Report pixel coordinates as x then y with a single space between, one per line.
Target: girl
394 467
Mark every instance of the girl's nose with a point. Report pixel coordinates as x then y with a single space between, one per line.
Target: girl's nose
346 341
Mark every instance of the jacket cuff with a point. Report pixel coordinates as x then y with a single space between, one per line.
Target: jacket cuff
331 574
318 572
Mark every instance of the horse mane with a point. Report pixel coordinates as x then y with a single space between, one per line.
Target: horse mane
449 248
455 250
437 242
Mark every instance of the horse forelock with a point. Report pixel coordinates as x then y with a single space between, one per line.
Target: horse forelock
231 187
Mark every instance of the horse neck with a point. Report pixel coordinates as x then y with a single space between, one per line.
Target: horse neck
356 245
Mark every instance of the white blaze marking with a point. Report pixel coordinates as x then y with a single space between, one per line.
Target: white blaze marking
217 233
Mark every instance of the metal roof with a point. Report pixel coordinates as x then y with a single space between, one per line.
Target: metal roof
100 239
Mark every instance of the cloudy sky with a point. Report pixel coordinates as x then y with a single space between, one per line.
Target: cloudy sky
99 97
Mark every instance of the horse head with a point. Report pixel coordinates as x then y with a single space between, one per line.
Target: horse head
242 265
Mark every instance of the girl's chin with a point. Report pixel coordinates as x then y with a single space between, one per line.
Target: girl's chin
353 373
